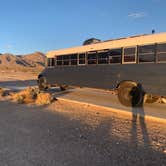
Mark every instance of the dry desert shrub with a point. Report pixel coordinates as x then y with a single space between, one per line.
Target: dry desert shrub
18 97
26 96
149 98
44 99
2 92
32 95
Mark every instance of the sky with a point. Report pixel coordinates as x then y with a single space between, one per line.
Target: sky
27 26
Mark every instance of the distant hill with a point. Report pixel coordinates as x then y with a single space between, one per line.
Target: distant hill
35 60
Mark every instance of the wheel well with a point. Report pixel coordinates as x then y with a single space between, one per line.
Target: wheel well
117 86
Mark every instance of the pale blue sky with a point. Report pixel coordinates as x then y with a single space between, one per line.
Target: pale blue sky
42 25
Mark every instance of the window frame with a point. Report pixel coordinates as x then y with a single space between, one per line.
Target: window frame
59 60
67 60
74 59
123 55
157 55
50 62
87 60
78 60
119 48
107 59
138 56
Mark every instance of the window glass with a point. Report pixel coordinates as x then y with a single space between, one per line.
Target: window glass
103 57
73 59
130 54
161 52
82 58
59 60
50 62
115 56
66 60
92 58
161 47
146 53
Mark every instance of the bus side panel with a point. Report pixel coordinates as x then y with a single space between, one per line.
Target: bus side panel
151 76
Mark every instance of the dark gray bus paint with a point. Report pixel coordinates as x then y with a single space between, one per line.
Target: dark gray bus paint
152 76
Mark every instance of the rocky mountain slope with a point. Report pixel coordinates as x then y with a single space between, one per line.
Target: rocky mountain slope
35 60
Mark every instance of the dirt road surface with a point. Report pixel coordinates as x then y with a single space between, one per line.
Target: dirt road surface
98 97
69 134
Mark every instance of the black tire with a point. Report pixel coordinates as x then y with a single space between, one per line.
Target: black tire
130 93
63 87
42 83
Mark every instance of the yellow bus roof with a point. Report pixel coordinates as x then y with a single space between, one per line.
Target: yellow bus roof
111 44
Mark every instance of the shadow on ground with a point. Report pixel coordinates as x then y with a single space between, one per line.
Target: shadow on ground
36 136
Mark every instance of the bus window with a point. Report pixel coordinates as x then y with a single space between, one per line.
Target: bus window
73 59
66 59
81 59
59 60
129 55
92 58
50 62
115 56
146 53
103 57
161 52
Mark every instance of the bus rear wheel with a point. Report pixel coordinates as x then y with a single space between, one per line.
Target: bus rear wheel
130 93
42 83
63 87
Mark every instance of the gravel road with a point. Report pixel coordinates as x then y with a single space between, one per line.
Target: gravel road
68 134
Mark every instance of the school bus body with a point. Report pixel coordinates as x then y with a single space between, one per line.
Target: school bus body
140 59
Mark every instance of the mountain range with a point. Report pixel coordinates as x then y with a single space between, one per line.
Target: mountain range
35 60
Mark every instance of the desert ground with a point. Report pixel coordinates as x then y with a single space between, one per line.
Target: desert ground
71 134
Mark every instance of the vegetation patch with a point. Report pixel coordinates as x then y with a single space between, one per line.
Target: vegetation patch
2 92
32 95
44 99
26 96
149 98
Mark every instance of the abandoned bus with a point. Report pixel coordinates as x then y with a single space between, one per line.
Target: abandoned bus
134 66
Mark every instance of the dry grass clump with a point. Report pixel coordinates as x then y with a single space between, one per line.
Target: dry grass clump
149 98
26 96
44 99
2 91
32 95
162 100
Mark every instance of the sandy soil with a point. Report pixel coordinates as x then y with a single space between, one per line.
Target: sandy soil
66 133
11 75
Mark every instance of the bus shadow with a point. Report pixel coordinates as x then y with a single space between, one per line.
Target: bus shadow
57 92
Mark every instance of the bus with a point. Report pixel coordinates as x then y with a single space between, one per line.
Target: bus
133 66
